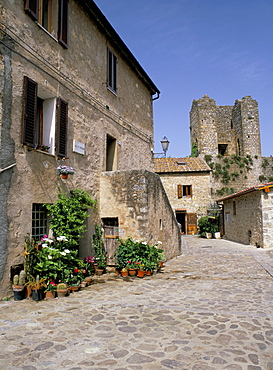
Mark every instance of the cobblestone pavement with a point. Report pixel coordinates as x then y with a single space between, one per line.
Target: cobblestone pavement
210 308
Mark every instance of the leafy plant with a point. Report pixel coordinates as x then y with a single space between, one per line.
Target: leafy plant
68 215
208 224
194 150
100 254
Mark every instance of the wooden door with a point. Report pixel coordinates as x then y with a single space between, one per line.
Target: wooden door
191 223
110 242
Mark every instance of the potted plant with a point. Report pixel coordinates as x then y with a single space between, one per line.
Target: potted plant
37 286
19 286
65 170
50 290
61 289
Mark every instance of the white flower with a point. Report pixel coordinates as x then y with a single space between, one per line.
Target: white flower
62 238
63 253
50 257
67 251
48 240
44 245
159 242
144 243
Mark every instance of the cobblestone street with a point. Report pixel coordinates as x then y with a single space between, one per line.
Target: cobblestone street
210 308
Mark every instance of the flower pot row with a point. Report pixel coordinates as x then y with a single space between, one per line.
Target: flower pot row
135 272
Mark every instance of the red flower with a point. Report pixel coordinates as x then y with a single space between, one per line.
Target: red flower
76 270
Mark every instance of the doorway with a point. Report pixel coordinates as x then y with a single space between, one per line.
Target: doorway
181 219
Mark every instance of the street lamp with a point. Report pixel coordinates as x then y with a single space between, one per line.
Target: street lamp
165 145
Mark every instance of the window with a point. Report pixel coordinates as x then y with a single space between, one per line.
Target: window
111 71
52 16
111 157
39 119
39 221
184 191
222 149
234 208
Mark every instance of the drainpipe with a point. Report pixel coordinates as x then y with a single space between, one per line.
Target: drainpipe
6 168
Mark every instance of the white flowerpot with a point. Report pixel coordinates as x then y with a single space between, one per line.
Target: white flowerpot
209 235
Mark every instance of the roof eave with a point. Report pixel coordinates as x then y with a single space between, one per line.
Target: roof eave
105 27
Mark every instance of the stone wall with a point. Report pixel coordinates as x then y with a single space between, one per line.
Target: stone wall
248 218
245 226
139 201
200 200
267 207
237 127
78 76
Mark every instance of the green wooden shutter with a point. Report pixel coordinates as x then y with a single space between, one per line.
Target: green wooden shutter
32 7
62 119
29 113
63 23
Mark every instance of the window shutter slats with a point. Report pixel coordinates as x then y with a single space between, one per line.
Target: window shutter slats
29 114
62 120
32 7
179 191
63 23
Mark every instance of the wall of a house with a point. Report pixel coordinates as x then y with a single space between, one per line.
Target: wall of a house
201 197
246 225
139 201
267 207
77 75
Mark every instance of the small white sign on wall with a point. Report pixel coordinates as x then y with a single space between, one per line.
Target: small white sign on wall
78 147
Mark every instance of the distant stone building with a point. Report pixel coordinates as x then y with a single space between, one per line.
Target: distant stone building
72 92
248 216
228 138
187 184
225 130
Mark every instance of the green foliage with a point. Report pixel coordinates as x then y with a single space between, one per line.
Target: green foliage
194 150
270 178
136 253
225 191
265 163
208 224
100 254
262 178
68 215
208 158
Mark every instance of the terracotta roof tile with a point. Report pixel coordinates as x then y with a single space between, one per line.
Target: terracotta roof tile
188 164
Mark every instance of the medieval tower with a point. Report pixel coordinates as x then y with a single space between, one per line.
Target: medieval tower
225 130
228 138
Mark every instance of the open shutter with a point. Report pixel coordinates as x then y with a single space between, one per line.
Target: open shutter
29 113
62 118
32 7
63 23
179 191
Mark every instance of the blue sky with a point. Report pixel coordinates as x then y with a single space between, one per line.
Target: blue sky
189 48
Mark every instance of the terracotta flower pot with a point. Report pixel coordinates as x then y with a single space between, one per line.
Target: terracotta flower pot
64 175
140 273
61 292
132 272
49 295
124 273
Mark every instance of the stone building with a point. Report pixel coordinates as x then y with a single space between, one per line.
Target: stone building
225 130
187 184
248 216
70 88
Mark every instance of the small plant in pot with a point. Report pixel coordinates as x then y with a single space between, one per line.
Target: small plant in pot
61 289
37 285
50 290
18 286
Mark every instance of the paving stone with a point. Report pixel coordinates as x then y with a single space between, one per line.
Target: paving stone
211 309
